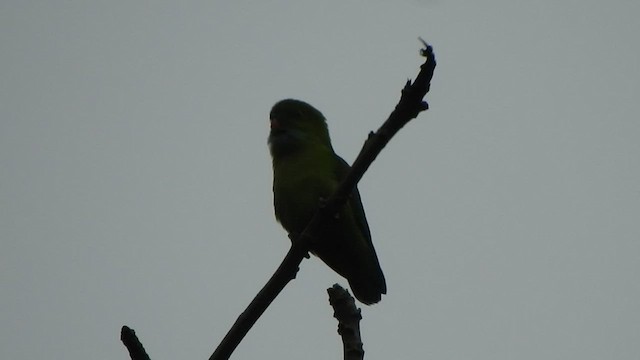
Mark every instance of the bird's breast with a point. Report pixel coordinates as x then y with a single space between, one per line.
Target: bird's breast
298 187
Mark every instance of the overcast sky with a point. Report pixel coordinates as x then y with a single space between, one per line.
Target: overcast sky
135 180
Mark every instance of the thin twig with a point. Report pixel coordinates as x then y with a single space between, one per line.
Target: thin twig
410 105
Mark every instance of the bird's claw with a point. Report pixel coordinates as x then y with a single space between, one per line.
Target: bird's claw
294 236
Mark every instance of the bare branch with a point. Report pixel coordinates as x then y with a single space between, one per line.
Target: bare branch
410 105
348 316
131 342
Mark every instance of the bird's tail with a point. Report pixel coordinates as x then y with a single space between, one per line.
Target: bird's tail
368 284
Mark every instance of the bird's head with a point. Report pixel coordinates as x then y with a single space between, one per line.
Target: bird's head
294 125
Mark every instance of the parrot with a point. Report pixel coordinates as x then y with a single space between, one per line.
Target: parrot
306 171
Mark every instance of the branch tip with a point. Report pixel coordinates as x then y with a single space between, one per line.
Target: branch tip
133 345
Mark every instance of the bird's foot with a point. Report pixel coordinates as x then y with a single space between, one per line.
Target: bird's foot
293 236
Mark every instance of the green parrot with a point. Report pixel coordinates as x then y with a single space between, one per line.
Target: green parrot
307 170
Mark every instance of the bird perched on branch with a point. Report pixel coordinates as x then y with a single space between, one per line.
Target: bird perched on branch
306 170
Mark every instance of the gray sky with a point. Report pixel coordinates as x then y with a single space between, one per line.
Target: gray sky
135 181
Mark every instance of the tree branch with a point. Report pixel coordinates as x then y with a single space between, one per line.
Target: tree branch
348 316
131 342
410 105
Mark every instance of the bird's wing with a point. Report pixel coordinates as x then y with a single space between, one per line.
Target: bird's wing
356 203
